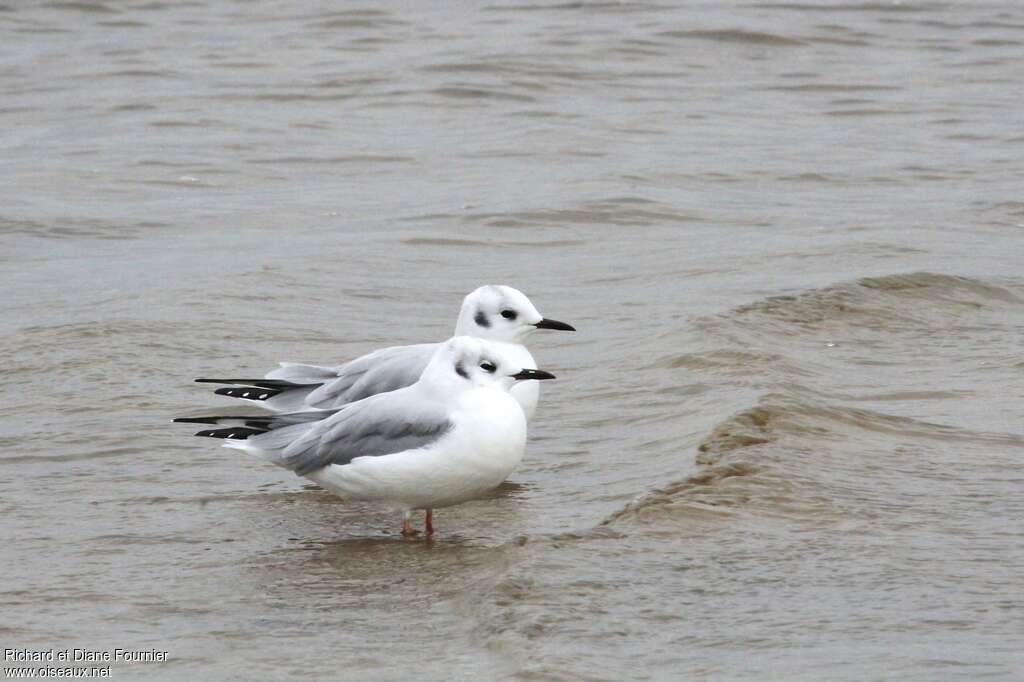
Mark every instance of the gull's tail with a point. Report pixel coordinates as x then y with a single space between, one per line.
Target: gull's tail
282 390
276 431
240 428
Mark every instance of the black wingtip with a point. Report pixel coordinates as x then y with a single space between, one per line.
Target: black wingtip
196 420
238 433
247 392
257 421
279 384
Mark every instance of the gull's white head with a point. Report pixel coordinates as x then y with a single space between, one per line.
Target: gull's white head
500 313
464 362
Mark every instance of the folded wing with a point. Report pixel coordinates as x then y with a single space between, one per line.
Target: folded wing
382 371
379 425
295 387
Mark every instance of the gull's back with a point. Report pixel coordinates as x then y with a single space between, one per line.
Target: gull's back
381 371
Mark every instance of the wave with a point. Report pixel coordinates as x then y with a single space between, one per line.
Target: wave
787 334
891 298
848 389
77 228
805 458
622 211
736 36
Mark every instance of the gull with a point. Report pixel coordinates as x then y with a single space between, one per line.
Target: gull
492 312
451 436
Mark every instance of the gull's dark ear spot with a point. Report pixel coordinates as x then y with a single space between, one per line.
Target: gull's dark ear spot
461 371
481 319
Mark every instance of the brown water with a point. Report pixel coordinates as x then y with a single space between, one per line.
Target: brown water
785 444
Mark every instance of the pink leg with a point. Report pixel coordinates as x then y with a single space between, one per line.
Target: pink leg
428 521
407 529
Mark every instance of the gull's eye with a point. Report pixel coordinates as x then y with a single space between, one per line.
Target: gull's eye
508 314
488 367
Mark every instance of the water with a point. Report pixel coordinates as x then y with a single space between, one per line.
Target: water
784 444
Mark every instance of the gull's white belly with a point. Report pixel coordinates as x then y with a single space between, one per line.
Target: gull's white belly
484 446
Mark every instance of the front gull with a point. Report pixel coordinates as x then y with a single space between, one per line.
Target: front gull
493 312
450 437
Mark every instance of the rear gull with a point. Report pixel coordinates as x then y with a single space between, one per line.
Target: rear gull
493 312
451 436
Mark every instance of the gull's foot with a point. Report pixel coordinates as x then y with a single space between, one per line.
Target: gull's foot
407 530
428 521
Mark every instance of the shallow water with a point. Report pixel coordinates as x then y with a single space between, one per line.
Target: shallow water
784 444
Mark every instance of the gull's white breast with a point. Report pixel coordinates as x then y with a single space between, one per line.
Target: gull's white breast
484 445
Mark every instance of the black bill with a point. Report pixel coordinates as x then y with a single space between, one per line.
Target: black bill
554 324
537 374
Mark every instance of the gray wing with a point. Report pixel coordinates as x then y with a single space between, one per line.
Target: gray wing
379 425
384 370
